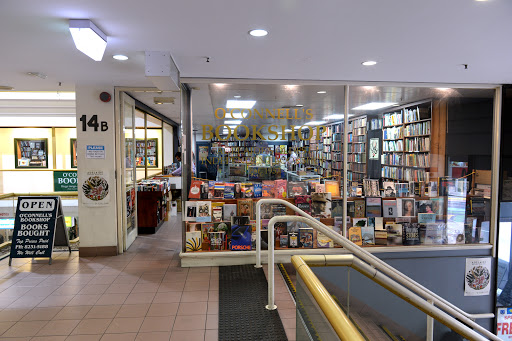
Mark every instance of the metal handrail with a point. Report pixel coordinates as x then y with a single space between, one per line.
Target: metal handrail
339 321
387 283
367 257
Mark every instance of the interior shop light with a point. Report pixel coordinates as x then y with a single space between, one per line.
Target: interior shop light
335 117
120 57
374 106
258 33
234 104
299 105
88 38
38 95
369 63
321 92
233 122
315 123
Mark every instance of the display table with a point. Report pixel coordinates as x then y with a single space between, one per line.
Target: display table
293 176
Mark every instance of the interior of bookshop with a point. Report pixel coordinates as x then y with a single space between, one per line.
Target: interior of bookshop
415 163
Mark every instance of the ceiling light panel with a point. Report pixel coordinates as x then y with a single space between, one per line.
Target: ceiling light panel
258 33
88 38
234 104
38 95
374 106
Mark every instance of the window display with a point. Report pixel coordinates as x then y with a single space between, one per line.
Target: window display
31 153
73 151
152 153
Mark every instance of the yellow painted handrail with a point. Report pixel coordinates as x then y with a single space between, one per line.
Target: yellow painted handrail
62 194
339 321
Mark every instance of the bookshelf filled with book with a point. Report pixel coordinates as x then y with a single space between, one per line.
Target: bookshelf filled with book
406 140
357 148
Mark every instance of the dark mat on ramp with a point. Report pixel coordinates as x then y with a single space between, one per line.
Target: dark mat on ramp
242 300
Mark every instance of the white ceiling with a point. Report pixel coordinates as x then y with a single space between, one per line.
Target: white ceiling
413 41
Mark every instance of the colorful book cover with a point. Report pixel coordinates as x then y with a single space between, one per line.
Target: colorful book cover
373 207
359 209
225 227
238 191
258 192
320 188
293 239
229 191
376 222
425 218
435 233
351 209
381 237
253 234
354 235
241 237
283 241
204 211
190 210
297 188
266 211
279 229
217 240
268 189
333 187
278 210
193 241
337 208
424 206
306 238
322 241
245 207
211 189
438 207
394 233
206 229
321 205
312 186
402 190
389 209
195 189
359 222
204 190
303 202
411 234
229 211
280 189
218 190
389 189
217 211
406 207
248 190
368 235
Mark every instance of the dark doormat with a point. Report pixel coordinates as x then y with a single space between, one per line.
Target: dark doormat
242 300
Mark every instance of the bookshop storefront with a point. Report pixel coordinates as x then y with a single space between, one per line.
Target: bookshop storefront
415 165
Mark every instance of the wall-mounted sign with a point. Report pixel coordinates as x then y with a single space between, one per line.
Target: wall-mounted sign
65 181
94 152
504 325
95 189
477 278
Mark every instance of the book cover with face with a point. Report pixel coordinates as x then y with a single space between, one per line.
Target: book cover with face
321 205
204 209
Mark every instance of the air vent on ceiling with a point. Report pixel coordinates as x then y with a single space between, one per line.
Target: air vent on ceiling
164 100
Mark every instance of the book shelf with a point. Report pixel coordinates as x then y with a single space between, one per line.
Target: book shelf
357 141
152 153
406 140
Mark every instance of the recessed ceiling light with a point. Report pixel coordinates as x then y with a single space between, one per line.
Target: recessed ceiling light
237 96
368 87
297 127
258 33
287 131
321 92
233 122
290 87
369 63
120 57
220 84
374 106
232 104
299 105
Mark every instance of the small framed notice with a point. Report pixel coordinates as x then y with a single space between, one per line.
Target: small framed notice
477 277
374 149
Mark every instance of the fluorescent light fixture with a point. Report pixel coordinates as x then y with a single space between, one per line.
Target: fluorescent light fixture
369 63
258 33
321 92
287 131
315 123
297 127
233 104
120 57
88 38
37 120
233 122
232 127
336 117
237 96
443 89
38 95
299 105
374 106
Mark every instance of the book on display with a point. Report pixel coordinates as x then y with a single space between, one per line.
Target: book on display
204 211
190 210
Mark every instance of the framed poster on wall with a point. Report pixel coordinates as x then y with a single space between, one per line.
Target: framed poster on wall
152 147
74 161
31 153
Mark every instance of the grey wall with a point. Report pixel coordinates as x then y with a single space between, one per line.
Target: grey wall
441 272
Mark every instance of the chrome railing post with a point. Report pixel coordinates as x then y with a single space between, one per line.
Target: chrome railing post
258 233
430 325
270 272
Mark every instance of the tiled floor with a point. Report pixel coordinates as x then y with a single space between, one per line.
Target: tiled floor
143 294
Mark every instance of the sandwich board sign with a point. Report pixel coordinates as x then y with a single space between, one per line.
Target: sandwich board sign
38 227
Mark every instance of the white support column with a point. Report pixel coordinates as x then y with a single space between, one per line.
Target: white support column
97 224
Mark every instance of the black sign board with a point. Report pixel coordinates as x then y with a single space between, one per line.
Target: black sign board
38 226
